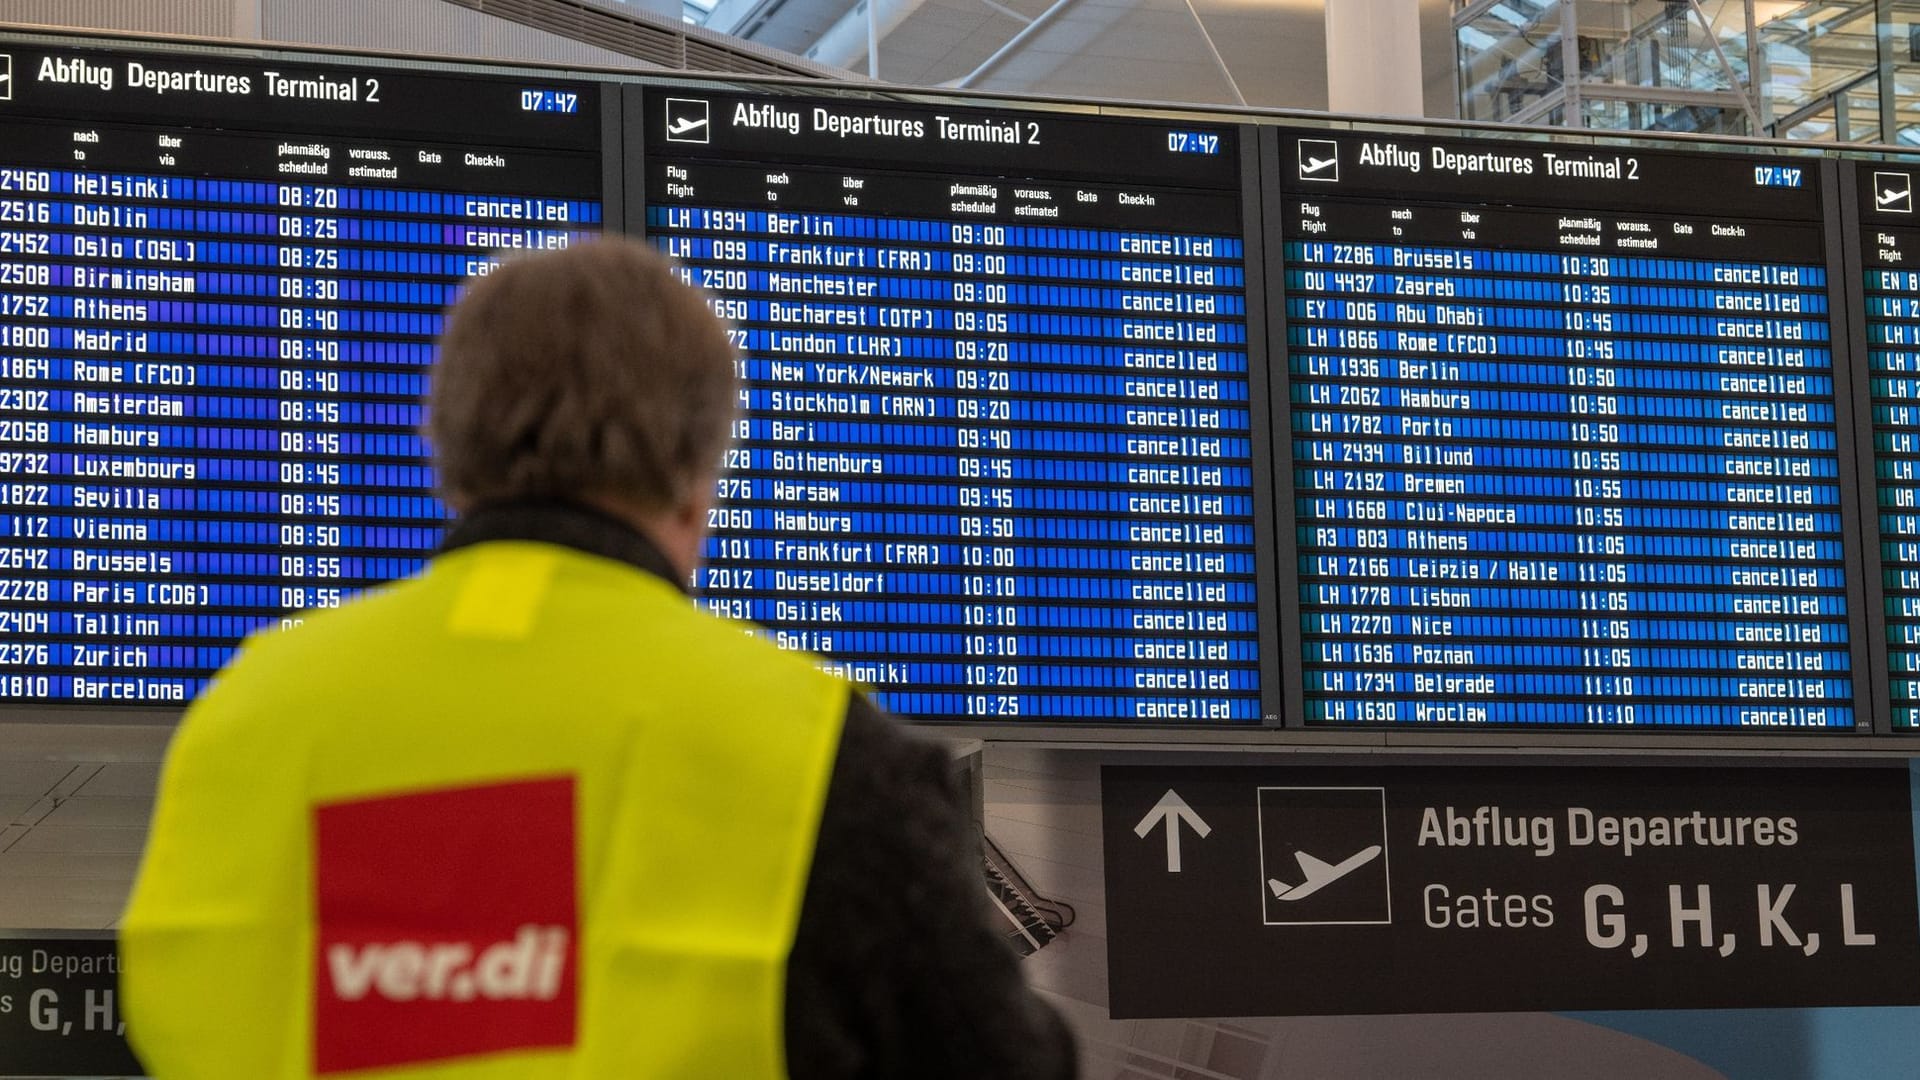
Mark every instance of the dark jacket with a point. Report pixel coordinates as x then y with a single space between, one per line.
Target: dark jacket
895 971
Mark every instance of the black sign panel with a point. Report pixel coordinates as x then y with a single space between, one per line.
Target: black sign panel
208 90
1293 891
1572 176
60 1008
1008 141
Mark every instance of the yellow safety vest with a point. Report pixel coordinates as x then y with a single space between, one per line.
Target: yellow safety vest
529 815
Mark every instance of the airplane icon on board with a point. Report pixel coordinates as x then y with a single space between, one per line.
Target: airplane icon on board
6 78
1893 193
1319 160
1320 873
687 120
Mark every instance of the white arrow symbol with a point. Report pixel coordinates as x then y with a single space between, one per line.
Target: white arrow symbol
1173 810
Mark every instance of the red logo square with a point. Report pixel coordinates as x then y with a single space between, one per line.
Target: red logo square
448 924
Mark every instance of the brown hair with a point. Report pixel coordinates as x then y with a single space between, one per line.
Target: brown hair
590 371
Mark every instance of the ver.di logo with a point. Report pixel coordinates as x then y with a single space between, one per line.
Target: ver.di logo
438 937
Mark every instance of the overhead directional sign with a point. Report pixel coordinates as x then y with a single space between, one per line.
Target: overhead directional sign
59 1008
1303 891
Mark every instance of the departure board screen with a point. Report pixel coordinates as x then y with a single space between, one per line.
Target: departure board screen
1889 272
998 446
220 281
1563 436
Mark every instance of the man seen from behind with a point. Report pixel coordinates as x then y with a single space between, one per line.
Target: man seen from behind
534 814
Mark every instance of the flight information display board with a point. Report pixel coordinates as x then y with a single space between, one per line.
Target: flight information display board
998 450
220 281
1564 436
1889 279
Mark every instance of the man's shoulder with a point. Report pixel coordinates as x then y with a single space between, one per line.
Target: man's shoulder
600 615
871 736
886 780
